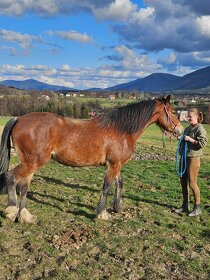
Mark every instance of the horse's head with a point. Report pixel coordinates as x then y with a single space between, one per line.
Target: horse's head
167 118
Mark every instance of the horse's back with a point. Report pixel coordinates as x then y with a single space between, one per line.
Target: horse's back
42 136
35 125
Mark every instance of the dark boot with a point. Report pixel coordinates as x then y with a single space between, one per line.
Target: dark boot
183 208
196 211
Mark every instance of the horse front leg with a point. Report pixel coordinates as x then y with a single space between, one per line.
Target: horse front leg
111 173
101 208
117 203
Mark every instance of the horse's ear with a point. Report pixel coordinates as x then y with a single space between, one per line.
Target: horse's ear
166 100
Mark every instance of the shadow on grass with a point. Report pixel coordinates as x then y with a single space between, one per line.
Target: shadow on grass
83 213
205 233
2 214
86 188
150 201
68 185
79 212
31 197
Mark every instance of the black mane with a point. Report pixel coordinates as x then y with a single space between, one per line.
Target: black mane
130 118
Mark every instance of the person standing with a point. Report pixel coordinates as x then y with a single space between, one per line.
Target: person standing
196 137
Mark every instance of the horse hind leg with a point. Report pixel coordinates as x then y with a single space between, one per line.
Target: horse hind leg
19 178
12 209
24 216
117 203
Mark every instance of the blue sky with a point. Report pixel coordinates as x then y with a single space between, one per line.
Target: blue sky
101 43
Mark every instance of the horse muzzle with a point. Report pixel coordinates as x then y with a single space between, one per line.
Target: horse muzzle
178 131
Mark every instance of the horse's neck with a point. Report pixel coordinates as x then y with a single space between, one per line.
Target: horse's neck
153 119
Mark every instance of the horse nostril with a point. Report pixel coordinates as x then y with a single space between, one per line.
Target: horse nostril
179 131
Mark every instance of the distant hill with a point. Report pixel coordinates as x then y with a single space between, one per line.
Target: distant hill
159 82
156 82
33 84
153 82
195 80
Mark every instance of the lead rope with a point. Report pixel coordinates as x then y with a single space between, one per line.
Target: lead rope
181 165
164 139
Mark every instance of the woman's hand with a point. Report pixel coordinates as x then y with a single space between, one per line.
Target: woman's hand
189 139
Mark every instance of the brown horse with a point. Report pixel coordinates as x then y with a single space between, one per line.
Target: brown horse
106 139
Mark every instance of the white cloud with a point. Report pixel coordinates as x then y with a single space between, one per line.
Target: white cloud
167 25
130 59
117 10
171 58
72 36
48 8
56 81
103 9
203 23
140 65
24 41
181 26
64 75
11 7
142 15
65 67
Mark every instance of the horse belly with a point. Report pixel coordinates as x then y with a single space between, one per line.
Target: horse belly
81 156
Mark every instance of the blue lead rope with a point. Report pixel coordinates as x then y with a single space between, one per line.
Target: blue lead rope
181 165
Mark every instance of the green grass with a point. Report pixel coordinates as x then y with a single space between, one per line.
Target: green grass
3 120
104 102
146 241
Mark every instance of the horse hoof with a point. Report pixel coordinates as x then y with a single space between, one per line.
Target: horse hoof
11 213
26 218
104 215
118 209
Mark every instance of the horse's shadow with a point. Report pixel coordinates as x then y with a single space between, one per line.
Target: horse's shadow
41 198
206 234
150 201
67 185
32 195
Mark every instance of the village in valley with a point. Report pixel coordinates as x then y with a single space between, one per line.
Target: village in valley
89 103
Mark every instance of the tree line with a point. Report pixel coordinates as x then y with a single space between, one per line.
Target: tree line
20 105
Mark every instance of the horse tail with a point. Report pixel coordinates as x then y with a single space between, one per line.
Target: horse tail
5 148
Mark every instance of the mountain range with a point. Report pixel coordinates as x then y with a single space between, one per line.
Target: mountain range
156 82
160 82
32 84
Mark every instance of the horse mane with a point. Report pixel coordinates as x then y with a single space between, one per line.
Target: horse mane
130 118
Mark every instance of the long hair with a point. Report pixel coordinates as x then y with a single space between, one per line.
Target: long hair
5 153
130 118
198 113
6 145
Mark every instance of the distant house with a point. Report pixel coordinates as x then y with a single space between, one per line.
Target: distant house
112 97
46 97
182 115
92 114
193 100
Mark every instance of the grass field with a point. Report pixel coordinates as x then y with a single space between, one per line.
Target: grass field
146 241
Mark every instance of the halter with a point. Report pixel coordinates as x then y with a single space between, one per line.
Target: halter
169 118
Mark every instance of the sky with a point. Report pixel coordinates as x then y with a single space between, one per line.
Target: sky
101 43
